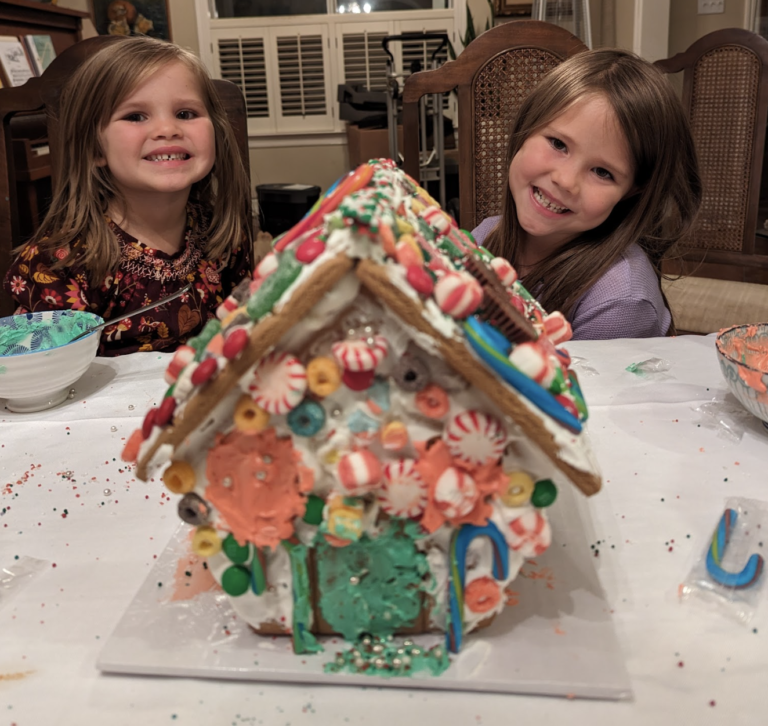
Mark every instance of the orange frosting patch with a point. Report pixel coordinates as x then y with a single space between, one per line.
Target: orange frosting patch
488 478
257 484
191 578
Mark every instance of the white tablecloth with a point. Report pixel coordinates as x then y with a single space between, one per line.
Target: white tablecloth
88 532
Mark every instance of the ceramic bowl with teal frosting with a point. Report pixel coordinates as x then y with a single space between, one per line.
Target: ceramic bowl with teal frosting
742 352
38 361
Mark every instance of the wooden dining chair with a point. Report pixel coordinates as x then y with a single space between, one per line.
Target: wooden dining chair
725 94
492 76
37 102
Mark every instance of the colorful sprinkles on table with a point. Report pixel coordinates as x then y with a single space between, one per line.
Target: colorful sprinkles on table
367 438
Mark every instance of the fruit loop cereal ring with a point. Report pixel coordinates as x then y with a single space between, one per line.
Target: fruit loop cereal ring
206 542
394 436
278 383
519 489
529 534
458 294
193 509
482 594
411 373
360 355
307 418
529 359
455 493
359 472
387 239
432 401
475 437
323 376
249 416
404 491
504 270
184 355
179 477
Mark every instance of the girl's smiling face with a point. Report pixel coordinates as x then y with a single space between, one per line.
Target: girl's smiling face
159 139
568 176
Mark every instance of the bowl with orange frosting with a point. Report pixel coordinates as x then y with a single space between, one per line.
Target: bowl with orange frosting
742 352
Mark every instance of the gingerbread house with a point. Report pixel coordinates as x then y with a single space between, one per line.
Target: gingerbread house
368 437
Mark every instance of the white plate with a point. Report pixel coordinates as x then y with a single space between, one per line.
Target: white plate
559 639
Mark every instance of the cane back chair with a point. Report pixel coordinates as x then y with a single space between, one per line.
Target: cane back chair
492 76
725 94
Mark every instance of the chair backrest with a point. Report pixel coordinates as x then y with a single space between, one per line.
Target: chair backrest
41 95
492 76
725 94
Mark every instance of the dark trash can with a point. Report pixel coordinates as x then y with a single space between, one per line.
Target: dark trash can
282 205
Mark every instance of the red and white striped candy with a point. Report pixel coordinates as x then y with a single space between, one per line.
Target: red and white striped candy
278 383
357 355
506 273
557 328
529 534
437 219
359 472
531 360
183 356
266 267
227 307
455 493
475 437
458 294
404 492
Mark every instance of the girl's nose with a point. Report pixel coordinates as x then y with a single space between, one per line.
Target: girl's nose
566 177
167 127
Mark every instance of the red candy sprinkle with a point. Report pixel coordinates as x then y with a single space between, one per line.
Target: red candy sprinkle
358 380
149 423
420 280
309 250
204 371
235 342
165 412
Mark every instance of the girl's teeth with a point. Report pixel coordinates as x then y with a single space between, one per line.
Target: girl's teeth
167 157
541 199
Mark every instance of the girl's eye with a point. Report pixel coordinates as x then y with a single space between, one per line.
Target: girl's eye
603 173
186 115
135 117
557 144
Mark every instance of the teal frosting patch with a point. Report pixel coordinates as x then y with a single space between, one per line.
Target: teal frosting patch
372 585
34 332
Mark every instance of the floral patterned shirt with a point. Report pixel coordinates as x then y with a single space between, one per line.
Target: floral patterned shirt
144 276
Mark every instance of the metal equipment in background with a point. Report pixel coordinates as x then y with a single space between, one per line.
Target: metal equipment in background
431 160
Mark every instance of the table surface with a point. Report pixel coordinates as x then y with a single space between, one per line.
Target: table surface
86 532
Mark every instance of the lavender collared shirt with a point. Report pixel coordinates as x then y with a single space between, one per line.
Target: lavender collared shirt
625 302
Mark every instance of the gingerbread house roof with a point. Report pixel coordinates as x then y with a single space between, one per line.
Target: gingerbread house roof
382 228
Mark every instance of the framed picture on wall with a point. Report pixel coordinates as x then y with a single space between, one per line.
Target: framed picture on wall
132 17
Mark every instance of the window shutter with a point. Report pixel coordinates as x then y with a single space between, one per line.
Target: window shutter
301 67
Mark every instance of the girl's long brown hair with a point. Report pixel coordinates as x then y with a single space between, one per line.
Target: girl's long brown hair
85 190
666 172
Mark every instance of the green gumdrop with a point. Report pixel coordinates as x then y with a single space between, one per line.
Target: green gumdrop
272 289
450 249
236 552
314 511
236 580
544 493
